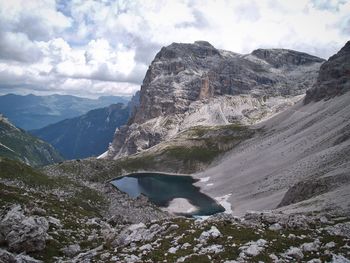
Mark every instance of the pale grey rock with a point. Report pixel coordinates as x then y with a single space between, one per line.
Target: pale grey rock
293 221
311 247
186 245
213 249
273 257
54 221
8 257
105 256
26 259
253 248
183 74
341 229
136 233
131 258
146 247
172 227
275 227
330 245
173 250
339 259
71 250
86 257
314 260
324 220
22 233
294 252
213 232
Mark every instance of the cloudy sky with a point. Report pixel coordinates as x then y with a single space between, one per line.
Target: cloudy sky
100 47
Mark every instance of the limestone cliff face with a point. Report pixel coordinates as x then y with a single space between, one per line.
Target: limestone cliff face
334 77
184 78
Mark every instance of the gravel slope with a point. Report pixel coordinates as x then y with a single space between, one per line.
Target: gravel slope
305 142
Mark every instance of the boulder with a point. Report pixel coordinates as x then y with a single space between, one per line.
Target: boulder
23 233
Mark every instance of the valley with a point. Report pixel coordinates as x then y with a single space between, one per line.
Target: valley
239 130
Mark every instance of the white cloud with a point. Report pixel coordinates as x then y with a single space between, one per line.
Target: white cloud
104 47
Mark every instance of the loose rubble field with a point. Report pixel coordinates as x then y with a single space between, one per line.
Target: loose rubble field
32 232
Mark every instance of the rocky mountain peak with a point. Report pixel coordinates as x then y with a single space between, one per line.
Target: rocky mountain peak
333 78
199 49
182 74
285 57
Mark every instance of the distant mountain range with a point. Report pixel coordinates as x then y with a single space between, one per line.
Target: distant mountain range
18 145
86 135
34 112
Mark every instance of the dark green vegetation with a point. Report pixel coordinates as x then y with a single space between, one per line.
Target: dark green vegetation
194 149
33 112
67 200
17 144
191 151
86 135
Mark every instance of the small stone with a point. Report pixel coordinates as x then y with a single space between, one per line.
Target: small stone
324 220
146 247
311 247
275 227
185 246
330 245
105 256
213 249
314 260
54 221
294 252
172 250
273 257
172 228
213 232
71 250
339 259
341 229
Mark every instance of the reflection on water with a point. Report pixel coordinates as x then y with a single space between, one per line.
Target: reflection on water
162 188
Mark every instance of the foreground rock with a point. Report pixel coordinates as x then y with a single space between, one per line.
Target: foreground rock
23 233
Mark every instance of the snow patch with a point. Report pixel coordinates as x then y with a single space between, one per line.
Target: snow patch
180 205
204 179
103 155
223 200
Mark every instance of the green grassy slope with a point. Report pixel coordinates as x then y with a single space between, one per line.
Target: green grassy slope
18 145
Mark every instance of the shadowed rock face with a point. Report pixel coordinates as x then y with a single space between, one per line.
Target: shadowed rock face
334 77
182 74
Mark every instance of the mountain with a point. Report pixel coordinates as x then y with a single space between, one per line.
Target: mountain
33 112
196 84
333 79
278 164
86 135
17 144
301 162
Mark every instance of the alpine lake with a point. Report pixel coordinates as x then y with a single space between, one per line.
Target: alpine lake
174 193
